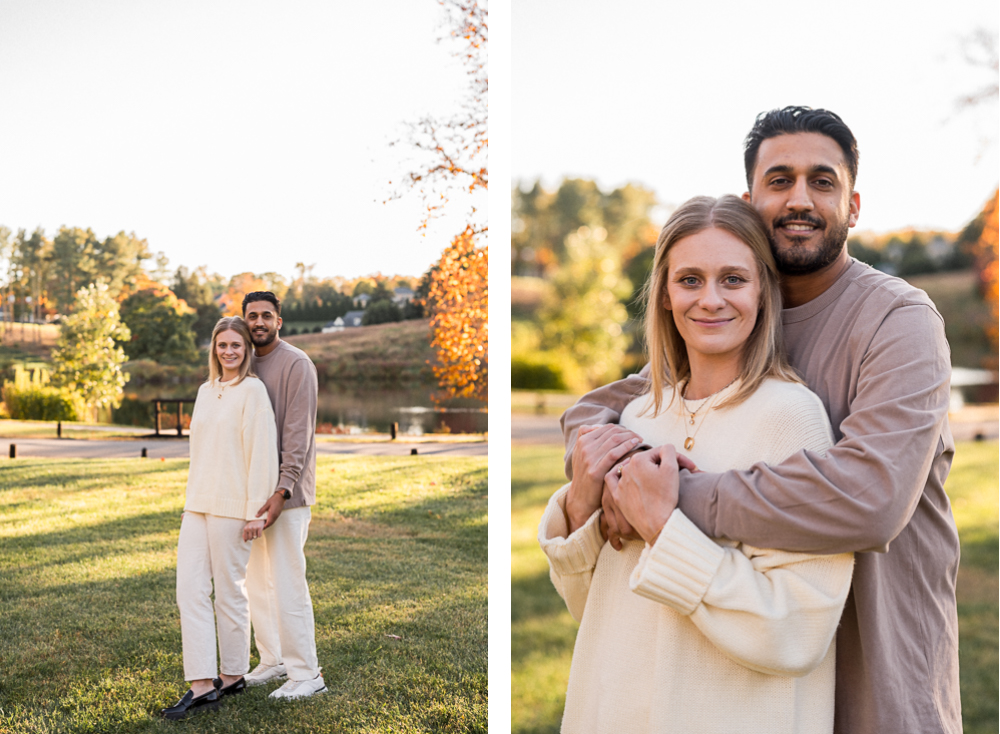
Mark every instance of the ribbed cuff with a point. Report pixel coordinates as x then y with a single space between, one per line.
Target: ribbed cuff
569 553
678 568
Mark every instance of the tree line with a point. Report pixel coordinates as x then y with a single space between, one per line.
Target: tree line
580 257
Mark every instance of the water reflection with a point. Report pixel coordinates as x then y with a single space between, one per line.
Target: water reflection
369 411
413 410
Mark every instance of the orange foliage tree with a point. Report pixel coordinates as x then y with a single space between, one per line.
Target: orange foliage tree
986 251
458 297
231 302
452 155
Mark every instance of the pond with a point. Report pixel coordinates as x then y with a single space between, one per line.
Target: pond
356 412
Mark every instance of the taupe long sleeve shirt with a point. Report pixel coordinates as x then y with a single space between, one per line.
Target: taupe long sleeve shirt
290 378
873 348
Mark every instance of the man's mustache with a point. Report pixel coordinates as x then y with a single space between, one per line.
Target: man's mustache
800 219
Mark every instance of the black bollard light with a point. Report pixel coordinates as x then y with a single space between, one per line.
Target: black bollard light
413 452
13 451
59 429
144 452
393 428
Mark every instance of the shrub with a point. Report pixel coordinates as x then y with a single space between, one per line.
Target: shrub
36 403
531 374
381 312
134 412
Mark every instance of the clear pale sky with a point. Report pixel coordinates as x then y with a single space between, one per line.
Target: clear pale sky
240 135
663 93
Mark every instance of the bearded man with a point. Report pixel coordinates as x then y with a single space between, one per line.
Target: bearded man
873 348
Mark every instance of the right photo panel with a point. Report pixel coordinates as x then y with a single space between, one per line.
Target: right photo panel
754 392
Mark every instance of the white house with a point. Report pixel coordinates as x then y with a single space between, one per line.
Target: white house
332 326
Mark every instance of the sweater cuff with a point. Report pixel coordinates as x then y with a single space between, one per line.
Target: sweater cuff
569 553
679 567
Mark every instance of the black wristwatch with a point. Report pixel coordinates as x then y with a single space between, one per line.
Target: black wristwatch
286 493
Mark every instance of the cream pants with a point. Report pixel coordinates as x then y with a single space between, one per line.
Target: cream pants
212 548
280 605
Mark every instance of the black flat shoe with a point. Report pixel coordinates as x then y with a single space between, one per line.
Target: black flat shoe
191 705
232 689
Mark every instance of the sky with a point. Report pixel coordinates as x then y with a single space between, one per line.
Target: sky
663 93
240 135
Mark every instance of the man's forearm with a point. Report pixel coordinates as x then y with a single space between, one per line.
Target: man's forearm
862 494
600 406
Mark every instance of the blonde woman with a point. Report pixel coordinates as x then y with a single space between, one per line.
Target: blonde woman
680 632
234 469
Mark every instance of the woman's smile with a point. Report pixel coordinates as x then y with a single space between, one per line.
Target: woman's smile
713 291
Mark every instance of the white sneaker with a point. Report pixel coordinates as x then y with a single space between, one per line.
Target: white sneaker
264 674
300 688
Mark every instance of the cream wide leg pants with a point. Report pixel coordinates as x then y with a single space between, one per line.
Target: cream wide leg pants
280 606
212 548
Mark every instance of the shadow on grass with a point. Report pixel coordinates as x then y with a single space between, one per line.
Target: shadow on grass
24 555
88 473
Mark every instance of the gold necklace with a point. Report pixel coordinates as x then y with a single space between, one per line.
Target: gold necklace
222 389
689 438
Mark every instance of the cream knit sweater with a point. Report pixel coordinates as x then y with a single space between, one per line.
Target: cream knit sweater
695 634
234 450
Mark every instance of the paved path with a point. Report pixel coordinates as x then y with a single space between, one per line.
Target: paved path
54 448
535 429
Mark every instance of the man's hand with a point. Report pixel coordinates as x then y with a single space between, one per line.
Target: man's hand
614 527
273 507
598 448
646 494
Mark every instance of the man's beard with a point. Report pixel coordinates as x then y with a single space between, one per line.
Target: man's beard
264 339
802 261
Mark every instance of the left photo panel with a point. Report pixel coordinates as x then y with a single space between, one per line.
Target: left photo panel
244 358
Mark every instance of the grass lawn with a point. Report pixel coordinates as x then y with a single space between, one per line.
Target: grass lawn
48 429
543 633
89 630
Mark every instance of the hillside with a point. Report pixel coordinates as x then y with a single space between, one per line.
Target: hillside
965 314
384 354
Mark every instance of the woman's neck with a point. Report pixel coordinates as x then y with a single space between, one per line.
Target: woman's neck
227 375
709 376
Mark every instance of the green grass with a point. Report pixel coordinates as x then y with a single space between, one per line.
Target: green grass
89 630
543 633
48 429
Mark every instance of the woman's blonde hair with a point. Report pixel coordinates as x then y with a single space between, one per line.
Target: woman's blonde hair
234 323
763 354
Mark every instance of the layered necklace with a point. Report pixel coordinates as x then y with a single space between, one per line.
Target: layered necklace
689 415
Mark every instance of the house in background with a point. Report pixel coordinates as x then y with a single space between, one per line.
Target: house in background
402 295
353 318
333 326
361 301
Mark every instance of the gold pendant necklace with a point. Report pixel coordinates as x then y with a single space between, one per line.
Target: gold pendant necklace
689 440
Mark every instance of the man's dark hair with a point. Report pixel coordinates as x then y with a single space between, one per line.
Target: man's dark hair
800 120
261 296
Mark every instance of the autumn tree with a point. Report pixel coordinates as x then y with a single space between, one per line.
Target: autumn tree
231 301
458 299
986 252
87 359
452 156
160 324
